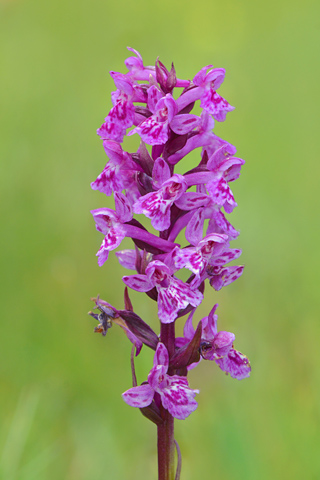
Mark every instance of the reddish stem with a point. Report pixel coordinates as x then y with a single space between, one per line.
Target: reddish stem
166 445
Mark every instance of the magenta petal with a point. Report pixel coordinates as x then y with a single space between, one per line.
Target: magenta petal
194 228
185 123
178 398
230 167
154 96
104 218
236 364
176 296
114 232
160 219
102 254
216 77
221 277
114 237
189 258
209 325
219 224
127 258
139 397
114 151
167 306
161 172
226 257
157 271
220 155
192 200
138 282
122 113
152 131
161 356
124 87
233 273
212 245
183 293
133 62
103 183
157 377
213 103
157 209
220 193
123 207
188 330
223 342
109 180
170 106
200 77
111 131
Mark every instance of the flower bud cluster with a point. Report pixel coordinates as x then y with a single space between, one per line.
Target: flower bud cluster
194 204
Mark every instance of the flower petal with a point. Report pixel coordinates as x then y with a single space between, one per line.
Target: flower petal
167 306
188 330
138 282
127 258
122 114
161 172
213 103
189 258
221 194
111 131
209 325
153 206
236 364
221 277
161 356
220 155
192 200
102 254
226 256
221 344
154 96
152 131
175 297
123 207
194 228
133 62
219 224
178 398
109 180
157 377
114 151
223 340
184 123
200 77
140 396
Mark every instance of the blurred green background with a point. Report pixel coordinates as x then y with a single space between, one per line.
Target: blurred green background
61 412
